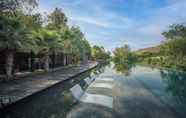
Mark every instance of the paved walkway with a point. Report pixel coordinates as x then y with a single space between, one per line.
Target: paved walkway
16 90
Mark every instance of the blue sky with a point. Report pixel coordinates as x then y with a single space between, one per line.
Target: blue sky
113 23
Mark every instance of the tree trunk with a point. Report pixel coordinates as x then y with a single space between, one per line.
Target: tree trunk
46 61
32 62
9 64
67 60
70 59
29 62
64 60
54 60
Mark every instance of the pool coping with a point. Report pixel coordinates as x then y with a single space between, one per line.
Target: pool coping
10 102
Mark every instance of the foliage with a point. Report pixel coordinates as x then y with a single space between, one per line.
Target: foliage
124 59
123 68
32 22
173 50
176 31
14 5
99 53
176 41
176 84
123 55
14 35
25 32
47 40
81 45
57 19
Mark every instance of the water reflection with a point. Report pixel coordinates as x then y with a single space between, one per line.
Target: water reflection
89 80
103 100
91 111
168 85
85 97
176 83
123 68
106 79
102 85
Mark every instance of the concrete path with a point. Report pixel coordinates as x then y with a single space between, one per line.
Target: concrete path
16 90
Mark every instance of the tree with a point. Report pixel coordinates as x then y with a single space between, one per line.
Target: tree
87 48
175 46
123 55
57 19
33 21
13 36
81 47
176 40
99 53
176 31
21 31
14 5
123 68
74 42
48 42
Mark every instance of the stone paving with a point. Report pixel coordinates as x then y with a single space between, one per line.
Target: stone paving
16 90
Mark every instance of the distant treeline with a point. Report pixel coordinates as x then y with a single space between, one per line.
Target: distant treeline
171 53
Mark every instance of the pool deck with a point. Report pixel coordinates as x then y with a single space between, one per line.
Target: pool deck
15 90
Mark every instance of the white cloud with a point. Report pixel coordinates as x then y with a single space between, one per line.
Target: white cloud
90 20
106 27
151 30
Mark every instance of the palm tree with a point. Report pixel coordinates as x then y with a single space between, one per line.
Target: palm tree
80 46
13 36
66 36
48 42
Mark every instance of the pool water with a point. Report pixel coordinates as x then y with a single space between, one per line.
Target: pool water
109 92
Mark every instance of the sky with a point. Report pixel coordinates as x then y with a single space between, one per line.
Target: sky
113 23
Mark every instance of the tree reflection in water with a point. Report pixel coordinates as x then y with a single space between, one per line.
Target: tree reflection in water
176 84
123 68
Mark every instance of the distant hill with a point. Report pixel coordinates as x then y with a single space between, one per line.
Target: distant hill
155 49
